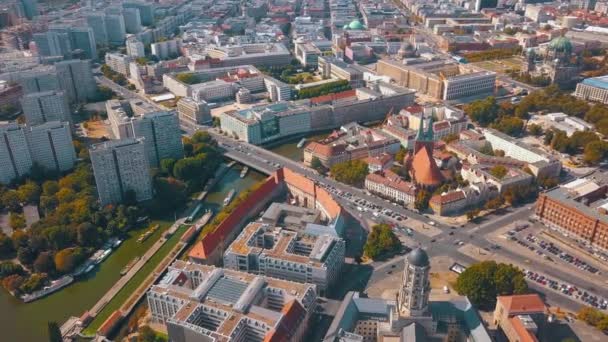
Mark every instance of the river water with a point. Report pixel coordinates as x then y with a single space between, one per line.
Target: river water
28 322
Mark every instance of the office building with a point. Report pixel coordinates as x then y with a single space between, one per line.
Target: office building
593 89
521 317
120 121
271 54
76 79
278 253
132 20
193 113
51 146
277 90
120 166
146 11
30 8
205 303
213 90
118 62
46 106
15 157
83 39
168 49
578 209
331 67
52 43
66 41
135 48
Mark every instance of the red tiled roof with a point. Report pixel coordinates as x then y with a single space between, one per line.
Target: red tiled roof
379 160
333 96
326 150
522 333
522 304
425 169
392 180
293 314
448 197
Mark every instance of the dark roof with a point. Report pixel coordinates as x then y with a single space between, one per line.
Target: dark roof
418 258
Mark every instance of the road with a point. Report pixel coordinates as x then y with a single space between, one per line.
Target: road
439 245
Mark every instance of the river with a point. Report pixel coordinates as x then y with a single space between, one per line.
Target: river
28 322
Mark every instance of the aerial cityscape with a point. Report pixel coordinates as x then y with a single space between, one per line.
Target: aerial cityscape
304 170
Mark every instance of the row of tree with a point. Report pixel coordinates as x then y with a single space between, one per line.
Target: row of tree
328 88
593 317
478 56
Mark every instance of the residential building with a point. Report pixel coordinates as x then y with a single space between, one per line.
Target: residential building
213 91
521 317
167 49
351 142
146 11
593 89
15 156
513 178
76 79
379 163
50 145
135 48
456 201
278 253
256 54
46 106
39 81
119 120
199 302
132 19
97 23
52 44
578 209
277 91
161 133
107 28
193 113
118 62
120 166
66 41
389 185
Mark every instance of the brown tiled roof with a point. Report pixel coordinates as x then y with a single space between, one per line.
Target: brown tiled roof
425 169
522 333
392 180
379 160
448 197
325 150
522 304
292 315
333 96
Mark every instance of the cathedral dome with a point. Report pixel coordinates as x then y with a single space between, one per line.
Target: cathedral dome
355 25
561 44
418 257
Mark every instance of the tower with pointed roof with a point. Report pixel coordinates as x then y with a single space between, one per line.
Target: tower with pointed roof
423 169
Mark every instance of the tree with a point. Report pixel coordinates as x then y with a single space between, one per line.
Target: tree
482 282
67 259
187 78
13 282
450 137
510 125
499 171
87 234
8 268
472 214
44 263
484 111
35 282
166 166
187 169
54 332
595 152
495 203
6 247
10 200
381 241
50 188
400 155
422 200
17 221
29 192
352 172
535 129
316 164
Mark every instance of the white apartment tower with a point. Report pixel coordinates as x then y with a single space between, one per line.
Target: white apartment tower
120 166
135 48
161 133
45 106
413 299
15 159
51 146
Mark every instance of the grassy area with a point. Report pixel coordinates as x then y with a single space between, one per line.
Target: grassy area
118 300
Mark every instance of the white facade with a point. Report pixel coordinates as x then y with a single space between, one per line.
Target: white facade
193 113
166 49
135 48
211 91
466 85
120 166
118 62
42 107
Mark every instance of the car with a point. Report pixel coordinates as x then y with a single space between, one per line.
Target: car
451 233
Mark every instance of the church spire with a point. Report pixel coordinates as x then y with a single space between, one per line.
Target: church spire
430 136
420 135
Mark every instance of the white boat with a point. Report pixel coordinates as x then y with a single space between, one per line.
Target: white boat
301 143
104 255
244 171
89 268
117 243
229 197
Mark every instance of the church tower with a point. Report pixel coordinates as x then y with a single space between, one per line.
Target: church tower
413 299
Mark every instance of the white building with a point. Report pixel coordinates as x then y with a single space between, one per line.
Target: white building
389 185
466 85
121 166
45 106
162 137
135 48
212 91
207 303
193 113
118 62
51 146
167 49
282 254
277 90
15 158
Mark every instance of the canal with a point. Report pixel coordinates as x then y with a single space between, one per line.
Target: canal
28 322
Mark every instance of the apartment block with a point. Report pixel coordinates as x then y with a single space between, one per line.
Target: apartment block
193 113
135 48
15 158
162 137
120 166
283 254
118 62
46 106
39 81
166 49
389 185
51 145
76 79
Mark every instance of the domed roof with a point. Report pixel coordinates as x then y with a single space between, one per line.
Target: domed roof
561 44
355 25
418 257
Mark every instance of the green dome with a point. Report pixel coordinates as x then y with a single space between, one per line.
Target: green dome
561 44
355 25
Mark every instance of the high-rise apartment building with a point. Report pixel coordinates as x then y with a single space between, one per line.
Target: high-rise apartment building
83 38
146 11
162 138
53 43
132 20
76 79
135 48
121 166
30 7
193 113
39 81
46 106
118 62
115 28
50 145
67 42
15 159
97 23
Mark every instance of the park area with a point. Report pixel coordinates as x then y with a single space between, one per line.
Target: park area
502 66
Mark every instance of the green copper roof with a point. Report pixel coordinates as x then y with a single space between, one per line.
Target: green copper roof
355 25
561 44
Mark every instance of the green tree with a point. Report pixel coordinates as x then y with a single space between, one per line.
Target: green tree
595 152
535 129
187 78
35 282
422 200
499 171
6 246
450 137
8 268
54 332
44 263
166 166
17 221
510 125
400 155
29 192
472 214
316 164
483 111
381 241
352 172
